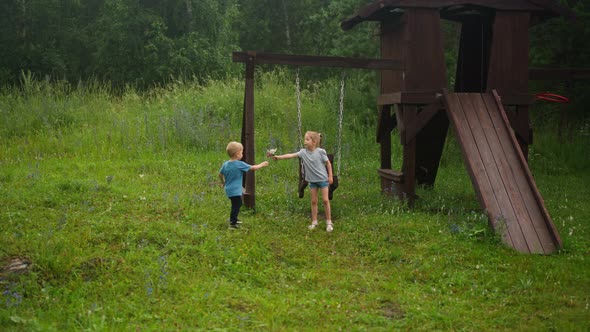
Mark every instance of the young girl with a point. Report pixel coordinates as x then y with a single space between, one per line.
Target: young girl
231 175
318 173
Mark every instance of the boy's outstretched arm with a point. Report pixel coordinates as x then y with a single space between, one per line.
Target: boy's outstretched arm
259 166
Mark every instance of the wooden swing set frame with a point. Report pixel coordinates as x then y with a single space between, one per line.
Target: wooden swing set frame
252 59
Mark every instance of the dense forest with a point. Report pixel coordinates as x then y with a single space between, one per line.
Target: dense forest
144 43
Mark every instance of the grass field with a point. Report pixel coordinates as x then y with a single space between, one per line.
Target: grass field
112 219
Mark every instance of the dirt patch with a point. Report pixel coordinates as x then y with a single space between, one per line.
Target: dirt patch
15 266
392 310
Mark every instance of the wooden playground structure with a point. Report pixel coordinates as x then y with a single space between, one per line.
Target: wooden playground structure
488 108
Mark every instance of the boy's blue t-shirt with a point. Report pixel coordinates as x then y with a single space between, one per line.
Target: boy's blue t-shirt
233 172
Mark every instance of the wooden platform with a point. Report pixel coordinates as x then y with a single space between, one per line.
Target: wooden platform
500 173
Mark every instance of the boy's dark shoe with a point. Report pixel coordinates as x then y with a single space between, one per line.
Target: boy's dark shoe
234 226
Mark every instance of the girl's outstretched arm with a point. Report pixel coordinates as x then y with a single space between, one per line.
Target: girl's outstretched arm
285 156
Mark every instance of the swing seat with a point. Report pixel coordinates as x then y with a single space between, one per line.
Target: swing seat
302 186
333 187
303 183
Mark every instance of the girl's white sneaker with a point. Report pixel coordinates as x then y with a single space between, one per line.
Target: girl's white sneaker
329 228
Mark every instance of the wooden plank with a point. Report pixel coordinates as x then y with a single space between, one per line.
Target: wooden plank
409 162
509 60
473 161
508 169
390 98
405 97
509 54
384 9
314 60
392 46
500 173
553 241
383 122
425 59
390 174
387 9
529 216
401 126
507 218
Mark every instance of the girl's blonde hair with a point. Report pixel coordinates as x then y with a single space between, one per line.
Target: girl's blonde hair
233 148
316 137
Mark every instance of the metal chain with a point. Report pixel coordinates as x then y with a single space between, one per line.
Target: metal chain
299 125
340 117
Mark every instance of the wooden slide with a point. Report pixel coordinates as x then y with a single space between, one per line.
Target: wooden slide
500 173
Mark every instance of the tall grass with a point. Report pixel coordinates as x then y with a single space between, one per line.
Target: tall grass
112 205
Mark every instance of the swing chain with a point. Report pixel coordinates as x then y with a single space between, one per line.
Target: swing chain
340 117
298 93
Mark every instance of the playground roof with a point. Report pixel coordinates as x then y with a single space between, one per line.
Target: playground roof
457 10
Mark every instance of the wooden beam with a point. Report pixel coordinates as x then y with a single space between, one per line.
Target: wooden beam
383 10
393 98
248 137
421 120
315 60
391 175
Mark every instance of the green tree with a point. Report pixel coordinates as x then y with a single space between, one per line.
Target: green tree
138 42
150 42
41 36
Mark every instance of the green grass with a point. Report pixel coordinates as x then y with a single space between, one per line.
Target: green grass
120 215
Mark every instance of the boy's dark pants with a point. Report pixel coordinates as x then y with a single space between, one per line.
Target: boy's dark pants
236 204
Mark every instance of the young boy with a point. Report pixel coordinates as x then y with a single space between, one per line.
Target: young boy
231 175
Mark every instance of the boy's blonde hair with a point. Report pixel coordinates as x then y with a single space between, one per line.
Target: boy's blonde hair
233 148
316 137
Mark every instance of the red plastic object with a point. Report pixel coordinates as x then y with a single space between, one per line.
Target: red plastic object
552 97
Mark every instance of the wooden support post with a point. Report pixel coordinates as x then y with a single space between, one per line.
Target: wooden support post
391 81
509 67
384 138
248 136
409 164
423 58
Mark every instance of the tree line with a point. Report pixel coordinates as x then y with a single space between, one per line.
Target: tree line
142 43
147 42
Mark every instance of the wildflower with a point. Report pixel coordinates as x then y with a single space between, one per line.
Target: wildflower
270 153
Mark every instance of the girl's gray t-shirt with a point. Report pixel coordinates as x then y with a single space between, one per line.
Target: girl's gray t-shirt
314 164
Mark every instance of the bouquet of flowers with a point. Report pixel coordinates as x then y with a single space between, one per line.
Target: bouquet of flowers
271 153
